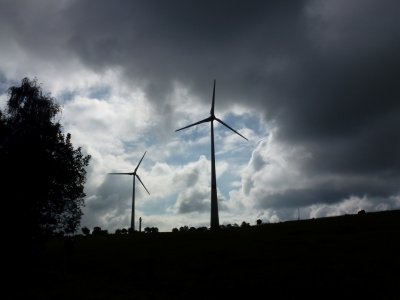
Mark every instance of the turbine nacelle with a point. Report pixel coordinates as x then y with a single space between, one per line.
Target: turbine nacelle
134 173
212 117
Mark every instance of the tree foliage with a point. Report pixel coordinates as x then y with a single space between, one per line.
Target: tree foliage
98 231
44 186
151 230
85 231
245 224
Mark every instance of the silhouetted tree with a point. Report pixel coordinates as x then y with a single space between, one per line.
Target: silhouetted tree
85 230
203 228
244 224
259 222
151 230
98 231
175 230
183 229
121 231
45 174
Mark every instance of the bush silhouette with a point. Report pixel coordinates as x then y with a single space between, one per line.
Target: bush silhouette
98 231
85 230
184 229
151 230
245 225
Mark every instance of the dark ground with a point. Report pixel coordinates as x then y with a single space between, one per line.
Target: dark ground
353 256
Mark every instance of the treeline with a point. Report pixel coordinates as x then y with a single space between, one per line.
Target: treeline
221 227
153 230
98 231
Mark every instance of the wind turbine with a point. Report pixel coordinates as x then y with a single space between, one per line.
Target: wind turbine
214 200
133 190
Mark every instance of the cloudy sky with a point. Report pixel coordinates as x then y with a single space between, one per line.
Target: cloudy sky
313 85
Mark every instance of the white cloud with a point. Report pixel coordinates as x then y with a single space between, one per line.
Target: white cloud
348 206
273 168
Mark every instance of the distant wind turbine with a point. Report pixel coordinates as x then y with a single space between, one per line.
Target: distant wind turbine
214 200
133 191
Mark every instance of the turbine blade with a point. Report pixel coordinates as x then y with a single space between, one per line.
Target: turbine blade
213 101
140 161
202 121
230 128
120 173
142 183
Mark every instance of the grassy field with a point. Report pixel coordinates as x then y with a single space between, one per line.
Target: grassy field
337 257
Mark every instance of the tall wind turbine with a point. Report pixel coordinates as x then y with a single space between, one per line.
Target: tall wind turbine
133 191
214 200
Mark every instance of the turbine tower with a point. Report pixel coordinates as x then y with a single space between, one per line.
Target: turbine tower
214 199
133 191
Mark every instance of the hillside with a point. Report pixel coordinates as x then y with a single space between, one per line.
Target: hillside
336 257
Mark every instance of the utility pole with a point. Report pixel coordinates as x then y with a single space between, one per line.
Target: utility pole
140 224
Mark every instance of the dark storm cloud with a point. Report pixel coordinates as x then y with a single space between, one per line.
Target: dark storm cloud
331 193
189 41
326 72
112 194
194 201
4 86
329 75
